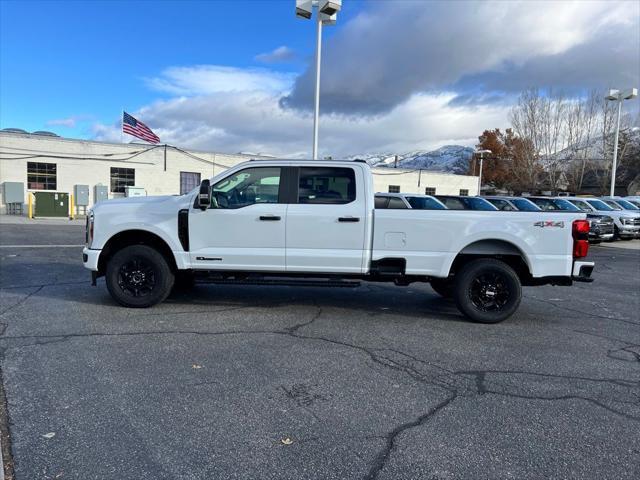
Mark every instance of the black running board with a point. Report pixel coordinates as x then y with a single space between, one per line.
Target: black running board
292 282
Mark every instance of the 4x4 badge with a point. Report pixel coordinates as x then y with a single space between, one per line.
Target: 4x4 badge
549 223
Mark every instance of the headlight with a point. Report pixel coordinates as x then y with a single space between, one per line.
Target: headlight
626 220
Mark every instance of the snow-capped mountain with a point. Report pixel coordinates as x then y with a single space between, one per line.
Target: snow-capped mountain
594 149
450 158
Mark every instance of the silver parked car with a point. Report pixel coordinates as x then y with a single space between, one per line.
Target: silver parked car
627 224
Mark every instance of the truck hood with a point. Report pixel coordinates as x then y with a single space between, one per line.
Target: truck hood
135 200
159 204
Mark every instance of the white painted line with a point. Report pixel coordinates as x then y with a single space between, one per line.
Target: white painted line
41 246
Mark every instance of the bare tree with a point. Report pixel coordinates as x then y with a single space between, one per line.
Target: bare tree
581 130
540 117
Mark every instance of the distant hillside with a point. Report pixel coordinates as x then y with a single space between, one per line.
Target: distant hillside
450 158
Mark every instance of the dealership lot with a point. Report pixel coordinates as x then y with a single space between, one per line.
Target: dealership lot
289 382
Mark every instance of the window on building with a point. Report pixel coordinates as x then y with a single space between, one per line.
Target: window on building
464 192
430 191
41 176
394 188
247 187
326 185
122 177
188 181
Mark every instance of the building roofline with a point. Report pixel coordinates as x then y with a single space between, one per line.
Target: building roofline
123 145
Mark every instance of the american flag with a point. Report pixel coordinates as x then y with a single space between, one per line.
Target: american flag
138 129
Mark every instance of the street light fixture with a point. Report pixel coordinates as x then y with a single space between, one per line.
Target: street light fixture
481 153
618 96
326 15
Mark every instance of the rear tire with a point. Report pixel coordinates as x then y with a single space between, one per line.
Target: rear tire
487 290
138 276
442 287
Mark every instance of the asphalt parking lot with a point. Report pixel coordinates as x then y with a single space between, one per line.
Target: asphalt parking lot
313 383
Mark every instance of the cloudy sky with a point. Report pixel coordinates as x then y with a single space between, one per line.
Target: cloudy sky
397 75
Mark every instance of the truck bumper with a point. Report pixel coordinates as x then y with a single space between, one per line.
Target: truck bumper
90 258
582 271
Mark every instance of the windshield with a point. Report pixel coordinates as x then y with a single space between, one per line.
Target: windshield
478 204
613 204
500 204
562 204
425 203
525 205
626 205
582 205
599 205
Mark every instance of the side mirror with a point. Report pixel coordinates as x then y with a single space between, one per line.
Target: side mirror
204 197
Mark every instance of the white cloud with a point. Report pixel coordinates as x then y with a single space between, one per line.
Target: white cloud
278 55
255 121
69 122
395 49
207 79
400 76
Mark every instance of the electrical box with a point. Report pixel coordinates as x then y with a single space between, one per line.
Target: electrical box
100 193
13 192
52 204
81 195
134 192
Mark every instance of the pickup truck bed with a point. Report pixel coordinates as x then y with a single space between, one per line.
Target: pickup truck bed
297 219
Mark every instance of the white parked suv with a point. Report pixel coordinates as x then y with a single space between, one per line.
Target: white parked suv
304 221
627 223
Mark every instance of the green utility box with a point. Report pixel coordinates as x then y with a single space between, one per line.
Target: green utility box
52 204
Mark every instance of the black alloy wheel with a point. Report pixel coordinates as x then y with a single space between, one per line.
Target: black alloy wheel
138 276
487 290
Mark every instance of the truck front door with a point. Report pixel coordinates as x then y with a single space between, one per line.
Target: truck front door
326 227
245 227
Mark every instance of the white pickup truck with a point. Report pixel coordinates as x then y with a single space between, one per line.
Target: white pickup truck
314 223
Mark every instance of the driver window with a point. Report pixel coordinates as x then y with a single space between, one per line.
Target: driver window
247 187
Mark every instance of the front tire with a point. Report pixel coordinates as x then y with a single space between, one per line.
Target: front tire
138 276
487 290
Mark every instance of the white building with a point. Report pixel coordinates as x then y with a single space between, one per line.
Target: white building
55 164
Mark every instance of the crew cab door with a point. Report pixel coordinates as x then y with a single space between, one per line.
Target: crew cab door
245 227
327 221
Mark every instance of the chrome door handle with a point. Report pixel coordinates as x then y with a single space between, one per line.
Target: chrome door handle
269 218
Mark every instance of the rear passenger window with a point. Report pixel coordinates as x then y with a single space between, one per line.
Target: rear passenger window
381 202
326 185
396 203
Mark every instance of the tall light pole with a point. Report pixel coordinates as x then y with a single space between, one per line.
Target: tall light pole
618 96
481 153
326 15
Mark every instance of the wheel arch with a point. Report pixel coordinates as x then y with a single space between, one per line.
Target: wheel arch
502 250
135 237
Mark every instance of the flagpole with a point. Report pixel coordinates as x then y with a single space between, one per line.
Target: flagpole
122 126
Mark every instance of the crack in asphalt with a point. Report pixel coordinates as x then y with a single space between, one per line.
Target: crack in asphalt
390 439
631 349
21 301
507 383
573 310
612 395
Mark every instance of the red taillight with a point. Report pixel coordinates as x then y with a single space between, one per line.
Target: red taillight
580 233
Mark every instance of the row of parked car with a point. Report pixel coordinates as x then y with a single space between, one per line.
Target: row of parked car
610 218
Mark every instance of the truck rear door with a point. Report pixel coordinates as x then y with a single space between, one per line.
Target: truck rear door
326 224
